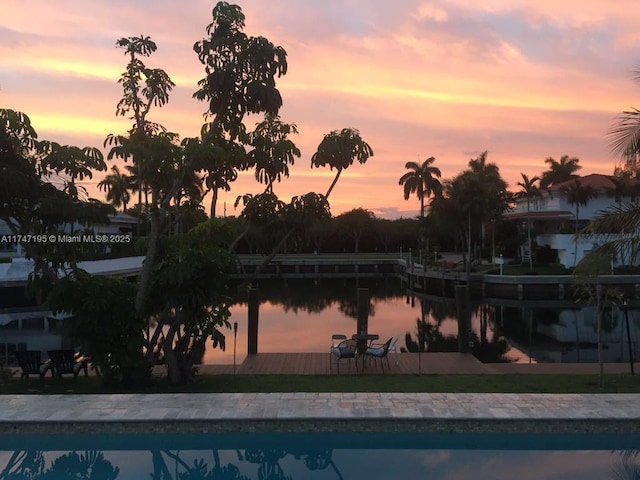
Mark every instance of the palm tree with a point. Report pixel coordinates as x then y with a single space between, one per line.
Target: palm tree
421 180
529 190
623 186
578 194
621 224
117 186
624 136
339 149
479 166
559 171
492 197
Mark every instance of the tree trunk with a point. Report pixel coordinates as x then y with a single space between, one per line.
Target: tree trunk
234 244
529 235
268 259
599 328
214 201
468 271
139 203
333 184
173 369
147 266
575 238
147 212
468 266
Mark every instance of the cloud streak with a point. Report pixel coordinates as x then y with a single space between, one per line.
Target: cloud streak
523 79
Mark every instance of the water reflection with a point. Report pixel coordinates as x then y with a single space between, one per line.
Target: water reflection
301 315
32 465
169 462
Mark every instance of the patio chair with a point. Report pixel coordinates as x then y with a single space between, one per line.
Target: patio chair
346 349
380 351
67 361
336 339
393 349
30 363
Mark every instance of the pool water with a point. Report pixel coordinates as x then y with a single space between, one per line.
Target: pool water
320 456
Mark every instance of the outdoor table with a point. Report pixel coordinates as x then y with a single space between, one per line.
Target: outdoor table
364 340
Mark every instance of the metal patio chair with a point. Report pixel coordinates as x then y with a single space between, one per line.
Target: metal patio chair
380 351
346 349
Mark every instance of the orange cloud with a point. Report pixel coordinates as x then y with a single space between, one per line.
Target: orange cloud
523 79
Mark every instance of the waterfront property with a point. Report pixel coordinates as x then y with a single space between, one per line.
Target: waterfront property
553 219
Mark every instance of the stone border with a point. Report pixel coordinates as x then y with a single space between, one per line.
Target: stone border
324 425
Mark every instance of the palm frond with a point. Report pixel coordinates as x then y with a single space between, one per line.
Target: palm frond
625 134
616 220
626 471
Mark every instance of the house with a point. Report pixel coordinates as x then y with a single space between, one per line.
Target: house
27 325
553 219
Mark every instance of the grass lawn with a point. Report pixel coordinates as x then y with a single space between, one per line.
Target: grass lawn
346 383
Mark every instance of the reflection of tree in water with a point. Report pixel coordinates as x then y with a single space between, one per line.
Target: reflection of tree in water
25 465
428 337
628 468
349 308
198 471
433 340
268 460
317 460
167 465
314 296
30 465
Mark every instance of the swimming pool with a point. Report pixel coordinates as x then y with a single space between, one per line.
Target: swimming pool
320 456
302 435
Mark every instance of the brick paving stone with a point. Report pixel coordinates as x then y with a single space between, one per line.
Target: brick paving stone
118 408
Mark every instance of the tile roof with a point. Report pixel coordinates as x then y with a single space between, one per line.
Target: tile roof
595 180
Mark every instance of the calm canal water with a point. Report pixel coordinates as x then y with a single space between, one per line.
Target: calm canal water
301 315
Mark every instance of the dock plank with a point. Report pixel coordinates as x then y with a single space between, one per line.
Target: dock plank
441 363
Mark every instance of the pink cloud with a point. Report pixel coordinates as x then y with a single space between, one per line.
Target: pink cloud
421 79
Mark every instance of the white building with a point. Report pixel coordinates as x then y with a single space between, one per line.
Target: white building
24 324
553 219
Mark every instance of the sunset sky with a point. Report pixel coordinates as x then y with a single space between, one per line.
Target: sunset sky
523 79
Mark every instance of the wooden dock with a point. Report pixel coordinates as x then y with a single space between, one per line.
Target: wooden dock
407 364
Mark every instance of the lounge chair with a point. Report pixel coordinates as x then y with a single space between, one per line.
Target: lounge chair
30 363
346 349
380 351
67 361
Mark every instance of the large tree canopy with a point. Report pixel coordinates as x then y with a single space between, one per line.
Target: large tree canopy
240 70
183 293
339 149
31 205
